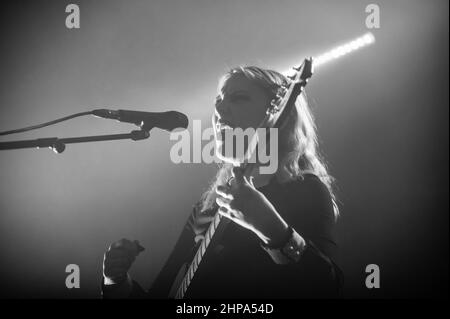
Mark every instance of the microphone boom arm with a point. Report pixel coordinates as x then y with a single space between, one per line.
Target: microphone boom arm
145 120
59 145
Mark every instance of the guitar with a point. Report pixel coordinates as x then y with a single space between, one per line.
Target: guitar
279 110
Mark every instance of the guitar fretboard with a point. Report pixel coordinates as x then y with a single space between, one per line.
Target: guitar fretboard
198 256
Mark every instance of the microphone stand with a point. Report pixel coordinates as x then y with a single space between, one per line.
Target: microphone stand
58 145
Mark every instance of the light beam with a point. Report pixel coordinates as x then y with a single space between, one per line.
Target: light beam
344 49
339 51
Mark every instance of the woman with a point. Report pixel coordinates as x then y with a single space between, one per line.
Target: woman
279 243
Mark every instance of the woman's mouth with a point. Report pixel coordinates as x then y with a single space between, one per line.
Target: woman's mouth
223 125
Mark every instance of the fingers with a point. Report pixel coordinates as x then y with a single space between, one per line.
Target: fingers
111 264
201 224
200 220
119 257
223 202
238 174
240 178
115 274
203 219
233 215
250 181
224 192
115 270
116 263
131 247
225 213
122 243
117 253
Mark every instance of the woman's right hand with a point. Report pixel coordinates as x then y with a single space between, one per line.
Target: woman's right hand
118 259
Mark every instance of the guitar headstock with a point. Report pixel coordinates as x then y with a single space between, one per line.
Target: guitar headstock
284 101
303 72
289 93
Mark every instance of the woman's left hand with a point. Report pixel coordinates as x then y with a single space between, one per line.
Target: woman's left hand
245 205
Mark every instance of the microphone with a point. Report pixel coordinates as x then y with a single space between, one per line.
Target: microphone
168 121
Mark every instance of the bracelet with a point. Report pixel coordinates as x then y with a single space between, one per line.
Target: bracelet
288 252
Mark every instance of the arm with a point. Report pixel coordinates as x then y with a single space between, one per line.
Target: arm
308 247
298 238
128 288
312 219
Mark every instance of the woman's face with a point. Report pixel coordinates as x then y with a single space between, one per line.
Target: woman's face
240 104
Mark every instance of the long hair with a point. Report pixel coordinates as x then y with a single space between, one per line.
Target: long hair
297 145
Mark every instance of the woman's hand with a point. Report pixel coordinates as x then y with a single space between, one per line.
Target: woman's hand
245 205
118 259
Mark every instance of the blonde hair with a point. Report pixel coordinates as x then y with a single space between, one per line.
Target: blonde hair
298 142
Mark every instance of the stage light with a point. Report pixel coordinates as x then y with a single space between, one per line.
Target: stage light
340 51
344 49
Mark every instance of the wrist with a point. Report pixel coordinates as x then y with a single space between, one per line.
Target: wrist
277 239
288 251
111 289
109 281
275 233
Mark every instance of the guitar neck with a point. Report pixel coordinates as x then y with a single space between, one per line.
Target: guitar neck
212 230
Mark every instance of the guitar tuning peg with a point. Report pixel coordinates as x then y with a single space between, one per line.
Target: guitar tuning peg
281 92
272 110
296 68
291 77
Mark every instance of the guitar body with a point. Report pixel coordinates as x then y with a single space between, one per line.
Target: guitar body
178 280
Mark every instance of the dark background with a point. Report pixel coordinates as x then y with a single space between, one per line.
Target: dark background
382 115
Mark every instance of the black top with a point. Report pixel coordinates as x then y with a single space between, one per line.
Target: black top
236 266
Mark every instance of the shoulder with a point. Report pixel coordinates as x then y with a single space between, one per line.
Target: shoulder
313 194
309 184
